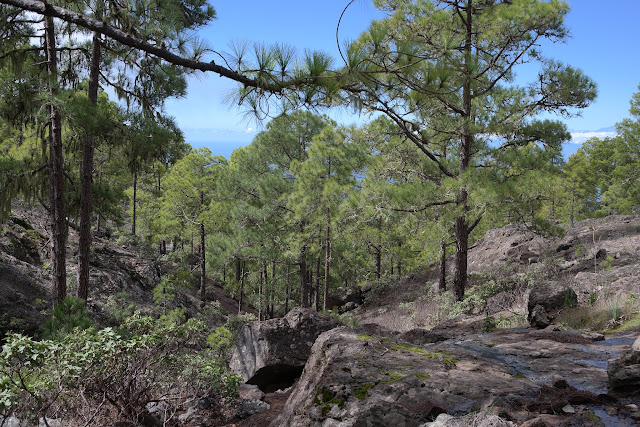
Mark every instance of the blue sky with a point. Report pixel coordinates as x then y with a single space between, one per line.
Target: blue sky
603 44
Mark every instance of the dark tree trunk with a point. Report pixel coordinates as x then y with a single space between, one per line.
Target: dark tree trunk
327 261
84 245
442 283
461 227
304 287
135 202
287 291
378 262
56 171
317 284
238 269
203 265
242 274
462 244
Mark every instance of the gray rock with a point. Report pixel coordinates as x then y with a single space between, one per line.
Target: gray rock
246 408
538 318
419 336
553 297
636 345
476 420
250 392
624 372
271 354
346 298
352 380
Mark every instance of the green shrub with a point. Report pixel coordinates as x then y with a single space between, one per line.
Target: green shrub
119 307
221 342
164 293
235 323
67 315
70 379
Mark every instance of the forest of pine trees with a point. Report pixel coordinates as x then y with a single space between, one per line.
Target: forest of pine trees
309 205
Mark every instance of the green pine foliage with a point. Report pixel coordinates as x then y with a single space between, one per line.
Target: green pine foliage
67 316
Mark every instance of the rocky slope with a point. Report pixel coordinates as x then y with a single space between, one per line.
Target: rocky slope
121 276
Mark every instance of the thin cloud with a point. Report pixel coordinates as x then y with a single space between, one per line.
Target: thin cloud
580 137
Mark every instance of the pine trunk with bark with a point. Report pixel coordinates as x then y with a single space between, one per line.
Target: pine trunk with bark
203 265
56 171
461 225
442 283
327 261
84 249
135 202
304 285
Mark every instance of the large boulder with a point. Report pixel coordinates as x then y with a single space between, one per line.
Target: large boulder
624 371
272 354
358 380
346 298
552 297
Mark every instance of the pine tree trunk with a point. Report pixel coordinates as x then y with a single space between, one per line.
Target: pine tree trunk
442 283
304 288
327 260
287 291
56 171
461 227
317 284
242 274
378 262
135 202
84 244
462 244
203 265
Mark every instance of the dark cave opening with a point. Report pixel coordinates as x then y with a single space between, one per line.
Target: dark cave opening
276 377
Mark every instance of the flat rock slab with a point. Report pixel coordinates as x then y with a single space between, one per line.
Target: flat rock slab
355 379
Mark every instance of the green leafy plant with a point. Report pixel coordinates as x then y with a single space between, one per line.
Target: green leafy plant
221 341
488 324
67 315
71 378
119 307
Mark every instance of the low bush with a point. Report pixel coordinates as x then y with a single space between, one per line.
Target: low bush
97 377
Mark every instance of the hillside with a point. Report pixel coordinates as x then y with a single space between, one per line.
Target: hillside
599 259
123 276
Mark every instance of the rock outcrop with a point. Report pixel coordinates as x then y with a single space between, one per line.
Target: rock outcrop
272 354
353 379
624 371
546 300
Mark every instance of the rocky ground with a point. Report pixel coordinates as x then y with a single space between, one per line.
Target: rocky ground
374 377
406 360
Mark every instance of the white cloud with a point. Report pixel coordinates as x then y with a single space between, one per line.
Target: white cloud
249 130
580 137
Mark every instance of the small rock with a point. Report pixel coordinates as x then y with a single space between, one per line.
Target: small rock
539 317
559 382
251 407
636 415
593 336
250 392
568 409
612 411
632 406
636 345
